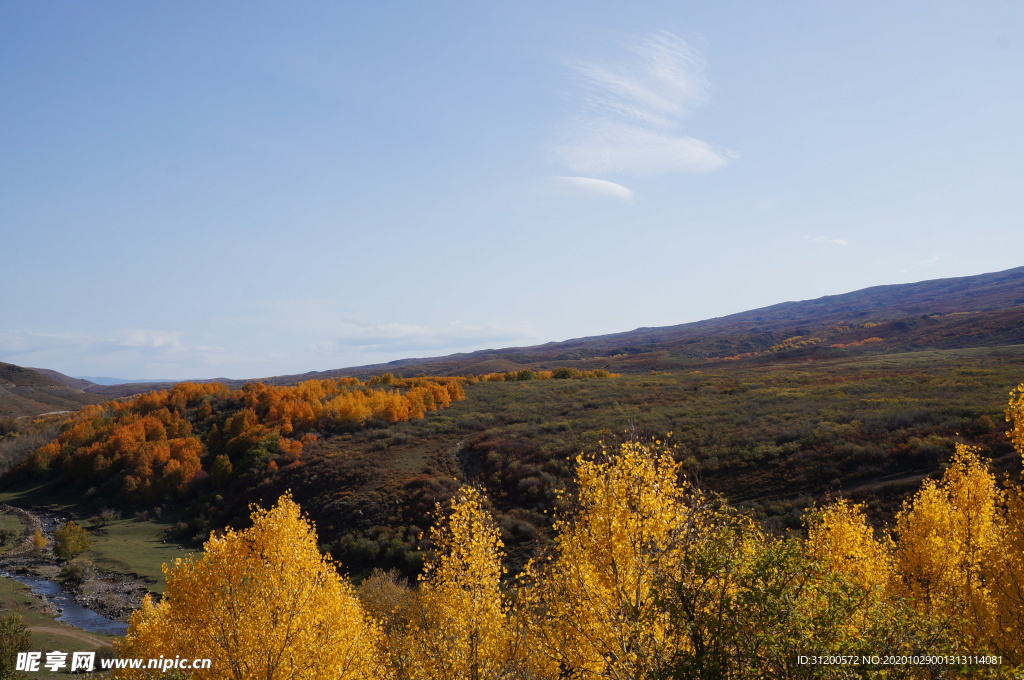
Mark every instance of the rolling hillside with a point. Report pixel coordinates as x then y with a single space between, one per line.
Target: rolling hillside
972 311
862 395
29 392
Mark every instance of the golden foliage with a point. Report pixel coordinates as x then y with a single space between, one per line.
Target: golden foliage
841 539
262 604
960 553
38 539
1004 622
647 578
462 629
947 534
596 596
1015 416
153 446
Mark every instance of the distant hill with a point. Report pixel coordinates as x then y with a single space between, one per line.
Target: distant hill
971 311
30 392
106 380
985 310
66 380
110 388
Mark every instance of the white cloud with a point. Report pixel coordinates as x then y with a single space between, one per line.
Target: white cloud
308 334
151 338
594 187
631 114
833 241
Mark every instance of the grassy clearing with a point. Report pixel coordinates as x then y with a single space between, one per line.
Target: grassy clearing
125 546
131 546
10 523
41 494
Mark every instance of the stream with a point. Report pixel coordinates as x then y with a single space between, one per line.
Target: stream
71 613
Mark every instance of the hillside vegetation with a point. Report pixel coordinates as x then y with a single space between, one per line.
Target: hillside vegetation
152 448
985 310
648 577
773 437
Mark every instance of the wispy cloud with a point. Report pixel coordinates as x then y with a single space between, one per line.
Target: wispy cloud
923 264
593 187
150 338
140 351
308 334
831 241
14 343
631 113
370 336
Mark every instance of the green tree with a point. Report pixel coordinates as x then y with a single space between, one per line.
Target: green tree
70 540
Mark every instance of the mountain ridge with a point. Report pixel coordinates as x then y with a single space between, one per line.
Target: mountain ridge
980 294
967 311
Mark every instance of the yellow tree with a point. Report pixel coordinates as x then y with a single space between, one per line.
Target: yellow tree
261 604
70 540
840 538
462 628
595 599
949 538
1015 416
1006 626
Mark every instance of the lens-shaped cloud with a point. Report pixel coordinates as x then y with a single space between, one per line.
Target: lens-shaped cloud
593 187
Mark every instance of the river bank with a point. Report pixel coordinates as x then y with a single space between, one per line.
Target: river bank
113 595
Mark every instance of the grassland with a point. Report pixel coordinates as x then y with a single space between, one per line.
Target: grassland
13 524
125 546
134 546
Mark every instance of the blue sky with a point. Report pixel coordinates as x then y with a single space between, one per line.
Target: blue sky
195 190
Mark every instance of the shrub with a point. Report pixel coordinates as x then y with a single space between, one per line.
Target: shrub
75 571
70 540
